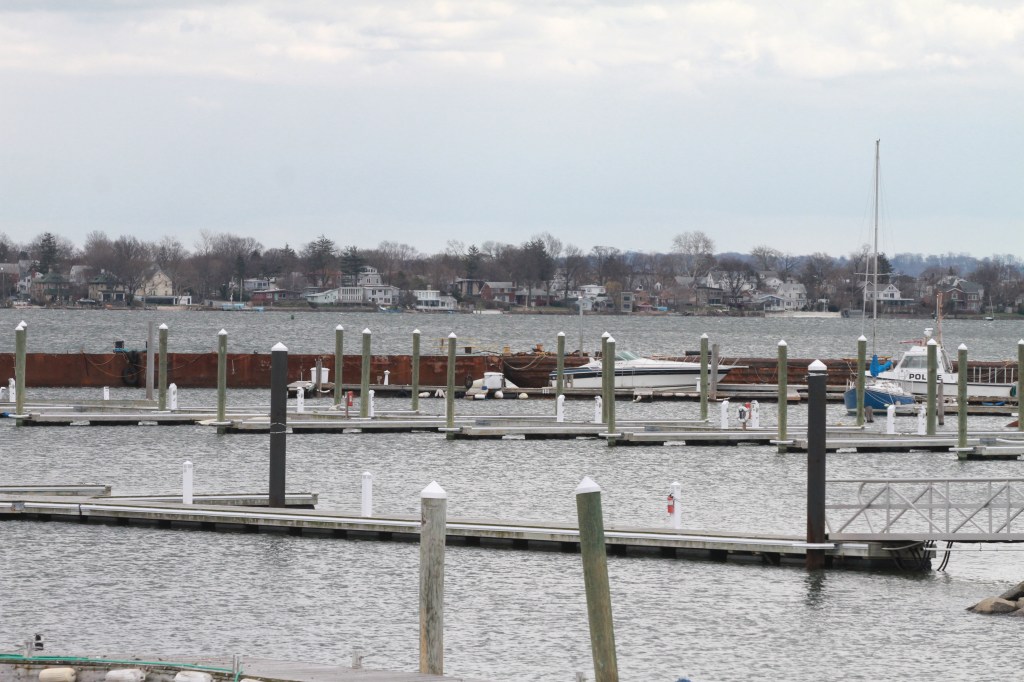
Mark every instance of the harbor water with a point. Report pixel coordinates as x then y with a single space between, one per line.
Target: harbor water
510 614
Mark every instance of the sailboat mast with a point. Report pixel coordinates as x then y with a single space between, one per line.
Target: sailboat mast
874 258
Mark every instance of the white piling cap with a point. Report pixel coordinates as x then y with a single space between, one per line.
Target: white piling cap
587 485
339 328
19 327
817 366
783 344
611 339
433 491
452 336
278 347
1021 342
367 331
415 331
163 326
222 332
704 335
676 484
561 333
24 324
605 335
862 338
962 346
932 342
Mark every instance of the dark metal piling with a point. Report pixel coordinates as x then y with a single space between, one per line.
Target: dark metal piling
278 422
817 379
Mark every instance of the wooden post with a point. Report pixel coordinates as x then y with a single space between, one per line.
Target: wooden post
933 371
318 383
611 390
449 398
1020 384
604 376
783 381
415 370
162 378
560 369
364 381
704 377
433 505
862 352
339 364
817 378
714 371
20 346
150 360
961 397
278 422
595 580
222 374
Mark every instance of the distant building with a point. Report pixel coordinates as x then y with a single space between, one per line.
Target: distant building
431 300
271 296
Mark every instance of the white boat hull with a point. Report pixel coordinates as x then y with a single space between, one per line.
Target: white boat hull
581 377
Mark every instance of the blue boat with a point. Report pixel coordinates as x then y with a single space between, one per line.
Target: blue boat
878 395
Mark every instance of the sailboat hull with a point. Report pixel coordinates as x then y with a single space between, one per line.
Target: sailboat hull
875 398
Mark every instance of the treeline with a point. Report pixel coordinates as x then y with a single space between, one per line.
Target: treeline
215 265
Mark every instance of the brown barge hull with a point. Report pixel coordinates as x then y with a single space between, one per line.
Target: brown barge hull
252 370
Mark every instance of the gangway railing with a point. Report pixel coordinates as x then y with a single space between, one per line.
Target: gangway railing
925 509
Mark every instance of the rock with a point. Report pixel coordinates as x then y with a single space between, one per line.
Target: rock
993 605
1014 593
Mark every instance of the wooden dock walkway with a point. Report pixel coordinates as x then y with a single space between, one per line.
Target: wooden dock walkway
532 535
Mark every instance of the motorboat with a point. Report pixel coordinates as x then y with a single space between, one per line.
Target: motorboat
911 372
634 371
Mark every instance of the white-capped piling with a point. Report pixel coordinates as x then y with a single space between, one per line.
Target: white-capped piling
318 376
449 396
677 509
862 354
433 512
20 345
610 410
817 381
278 422
186 482
704 377
714 372
366 495
559 369
222 374
606 374
724 416
415 370
172 394
782 377
595 580
597 409
162 370
339 364
961 397
560 409
890 420
364 379
150 360
933 372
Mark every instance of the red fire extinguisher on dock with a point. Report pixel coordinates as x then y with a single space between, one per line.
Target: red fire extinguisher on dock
671 504
348 398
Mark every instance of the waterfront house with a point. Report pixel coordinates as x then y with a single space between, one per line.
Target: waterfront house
793 295
431 300
274 295
500 292
105 288
962 296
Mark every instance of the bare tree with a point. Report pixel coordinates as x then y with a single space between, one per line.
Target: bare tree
170 256
696 251
134 265
766 256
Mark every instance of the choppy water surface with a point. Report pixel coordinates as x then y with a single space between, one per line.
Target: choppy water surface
510 615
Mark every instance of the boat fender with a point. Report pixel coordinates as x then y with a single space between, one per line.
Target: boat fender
424 394
523 396
57 675
126 675
478 396
193 676
499 394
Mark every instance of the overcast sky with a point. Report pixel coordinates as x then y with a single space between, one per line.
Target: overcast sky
605 123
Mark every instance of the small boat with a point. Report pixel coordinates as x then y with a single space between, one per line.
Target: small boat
493 385
634 371
879 394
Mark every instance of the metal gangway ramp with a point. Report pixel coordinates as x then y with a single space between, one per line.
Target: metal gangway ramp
925 509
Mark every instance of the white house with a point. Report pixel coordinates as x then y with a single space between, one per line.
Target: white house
431 300
793 295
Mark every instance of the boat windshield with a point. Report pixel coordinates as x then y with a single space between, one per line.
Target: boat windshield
626 355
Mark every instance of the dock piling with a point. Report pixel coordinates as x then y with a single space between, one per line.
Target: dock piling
933 372
449 398
714 372
364 380
339 364
817 378
222 374
595 580
186 483
318 382
560 369
20 345
433 505
605 376
150 361
704 377
162 371
1020 383
961 397
610 409
278 422
862 352
366 497
415 370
